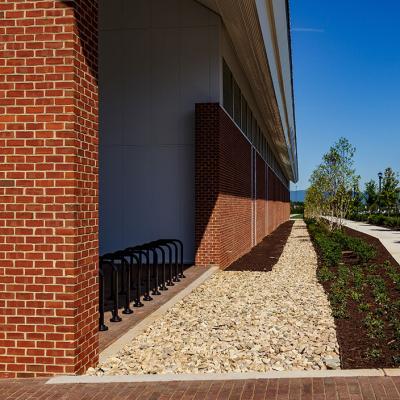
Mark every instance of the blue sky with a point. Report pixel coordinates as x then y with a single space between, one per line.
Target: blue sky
346 59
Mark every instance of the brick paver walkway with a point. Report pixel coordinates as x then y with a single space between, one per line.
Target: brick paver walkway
379 388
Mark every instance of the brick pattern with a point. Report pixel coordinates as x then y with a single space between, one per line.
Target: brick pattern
48 187
234 200
278 202
261 199
362 388
206 184
224 194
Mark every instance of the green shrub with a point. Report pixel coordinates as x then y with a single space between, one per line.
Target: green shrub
364 307
358 217
324 274
392 222
358 278
373 353
393 273
389 221
364 251
379 290
376 219
331 252
356 296
375 326
339 294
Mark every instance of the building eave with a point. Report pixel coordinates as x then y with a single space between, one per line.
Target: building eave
260 33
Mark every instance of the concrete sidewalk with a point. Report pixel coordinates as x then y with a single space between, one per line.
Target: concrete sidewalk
390 239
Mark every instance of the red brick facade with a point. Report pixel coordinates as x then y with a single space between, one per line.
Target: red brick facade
48 187
278 202
260 199
234 210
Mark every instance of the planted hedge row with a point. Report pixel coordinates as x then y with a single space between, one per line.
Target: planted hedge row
392 222
332 244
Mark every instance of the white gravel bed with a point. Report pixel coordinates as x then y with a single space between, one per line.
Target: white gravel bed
242 322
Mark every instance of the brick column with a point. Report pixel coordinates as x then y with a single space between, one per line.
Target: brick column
48 187
207 228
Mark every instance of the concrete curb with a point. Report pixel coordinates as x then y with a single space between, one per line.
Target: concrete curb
349 373
145 323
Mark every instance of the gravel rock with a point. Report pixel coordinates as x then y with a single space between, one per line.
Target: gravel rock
241 322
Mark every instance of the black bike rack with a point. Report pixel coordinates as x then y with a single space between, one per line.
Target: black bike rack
136 255
178 257
102 326
127 267
110 260
125 281
145 253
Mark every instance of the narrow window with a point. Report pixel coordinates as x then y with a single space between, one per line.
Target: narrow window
244 116
254 132
227 89
249 121
237 103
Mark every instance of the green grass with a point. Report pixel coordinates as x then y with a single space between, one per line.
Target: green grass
297 216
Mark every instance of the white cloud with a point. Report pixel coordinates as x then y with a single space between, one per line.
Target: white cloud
315 30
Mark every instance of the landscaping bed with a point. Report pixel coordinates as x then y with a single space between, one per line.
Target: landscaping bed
266 254
362 281
241 321
388 221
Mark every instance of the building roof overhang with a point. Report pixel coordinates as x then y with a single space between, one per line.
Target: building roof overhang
260 33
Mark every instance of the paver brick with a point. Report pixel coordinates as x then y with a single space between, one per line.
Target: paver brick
362 388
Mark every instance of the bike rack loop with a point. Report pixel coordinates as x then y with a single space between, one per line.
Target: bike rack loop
160 243
163 277
150 247
109 259
180 243
136 255
175 243
142 251
102 326
126 274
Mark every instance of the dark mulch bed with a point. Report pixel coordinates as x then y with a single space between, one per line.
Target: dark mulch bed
355 344
266 254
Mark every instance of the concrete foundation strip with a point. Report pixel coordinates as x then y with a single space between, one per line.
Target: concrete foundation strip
228 376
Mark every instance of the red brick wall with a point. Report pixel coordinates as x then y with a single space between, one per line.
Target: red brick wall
224 197
278 202
270 201
234 201
48 187
261 215
207 184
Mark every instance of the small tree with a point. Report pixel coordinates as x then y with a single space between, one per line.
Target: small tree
357 203
332 183
389 194
371 195
314 203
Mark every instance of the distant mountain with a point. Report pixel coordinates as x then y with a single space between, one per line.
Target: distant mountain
297 195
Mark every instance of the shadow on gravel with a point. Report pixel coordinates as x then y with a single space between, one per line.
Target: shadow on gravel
266 254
